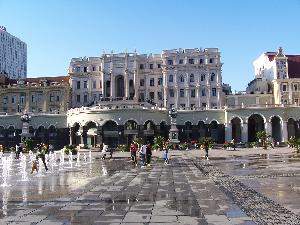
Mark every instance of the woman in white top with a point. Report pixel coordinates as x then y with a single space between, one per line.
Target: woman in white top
104 150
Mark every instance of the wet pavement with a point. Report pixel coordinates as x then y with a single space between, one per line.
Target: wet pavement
231 188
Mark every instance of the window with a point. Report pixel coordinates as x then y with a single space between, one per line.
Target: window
85 98
170 62
295 87
151 95
159 95
182 79
203 92
142 97
22 99
212 77
51 97
77 69
191 61
159 81
201 61
193 93
181 93
158 66
296 101
78 84
202 77
13 99
85 69
170 78
100 84
85 84
94 68
192 78
211 60
94 84
77 98
171 93
151 66
141 66
142 82
284 87
180 61
151 82
57 98
214 91
5 100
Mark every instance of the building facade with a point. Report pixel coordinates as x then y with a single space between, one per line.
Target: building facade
13 55
183 78
36 95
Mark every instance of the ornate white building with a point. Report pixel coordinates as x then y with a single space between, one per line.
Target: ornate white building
184 78
13 55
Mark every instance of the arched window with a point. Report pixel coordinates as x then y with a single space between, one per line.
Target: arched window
170 78
192 78
182 79
212 77
203 77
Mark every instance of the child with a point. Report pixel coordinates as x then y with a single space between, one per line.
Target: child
166 158
35 165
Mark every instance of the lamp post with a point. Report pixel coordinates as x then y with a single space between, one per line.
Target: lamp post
25 118
173 133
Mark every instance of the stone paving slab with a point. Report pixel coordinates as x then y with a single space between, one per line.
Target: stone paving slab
187 191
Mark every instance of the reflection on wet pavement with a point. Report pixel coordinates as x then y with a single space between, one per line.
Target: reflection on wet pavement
116 192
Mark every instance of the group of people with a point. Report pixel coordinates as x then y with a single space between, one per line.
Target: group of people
144 151
145 154
106 150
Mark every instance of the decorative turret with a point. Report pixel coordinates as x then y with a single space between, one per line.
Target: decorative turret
281 64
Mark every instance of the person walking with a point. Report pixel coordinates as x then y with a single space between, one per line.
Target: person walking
233 143
166 156
133 148
41 154
104 150
148 154
143 155
206 147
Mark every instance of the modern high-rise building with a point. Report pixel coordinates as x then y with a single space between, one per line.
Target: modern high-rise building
13 55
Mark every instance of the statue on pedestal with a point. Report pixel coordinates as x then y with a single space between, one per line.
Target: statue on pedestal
173 134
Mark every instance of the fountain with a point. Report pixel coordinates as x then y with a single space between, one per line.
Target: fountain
78 159
62 159
23 168
40 169
90 156
84 158
70 160
5 172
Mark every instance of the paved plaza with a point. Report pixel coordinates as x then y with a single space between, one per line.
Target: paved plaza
246 186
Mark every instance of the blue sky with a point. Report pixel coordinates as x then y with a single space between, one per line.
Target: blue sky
57 30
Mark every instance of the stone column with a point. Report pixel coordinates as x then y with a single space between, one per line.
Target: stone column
136 85
99 138
228 132
187 97
112 86
268 127
81 134
284 132
198 94
71 136
166 97
176 89
245 132
208 96
126 80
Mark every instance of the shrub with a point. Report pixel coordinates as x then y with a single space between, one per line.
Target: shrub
158 142
70 148
123 148
210 141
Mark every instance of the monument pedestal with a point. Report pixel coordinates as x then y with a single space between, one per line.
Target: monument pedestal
173 135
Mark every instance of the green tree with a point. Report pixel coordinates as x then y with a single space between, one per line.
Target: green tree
158 142
262 137
28 145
